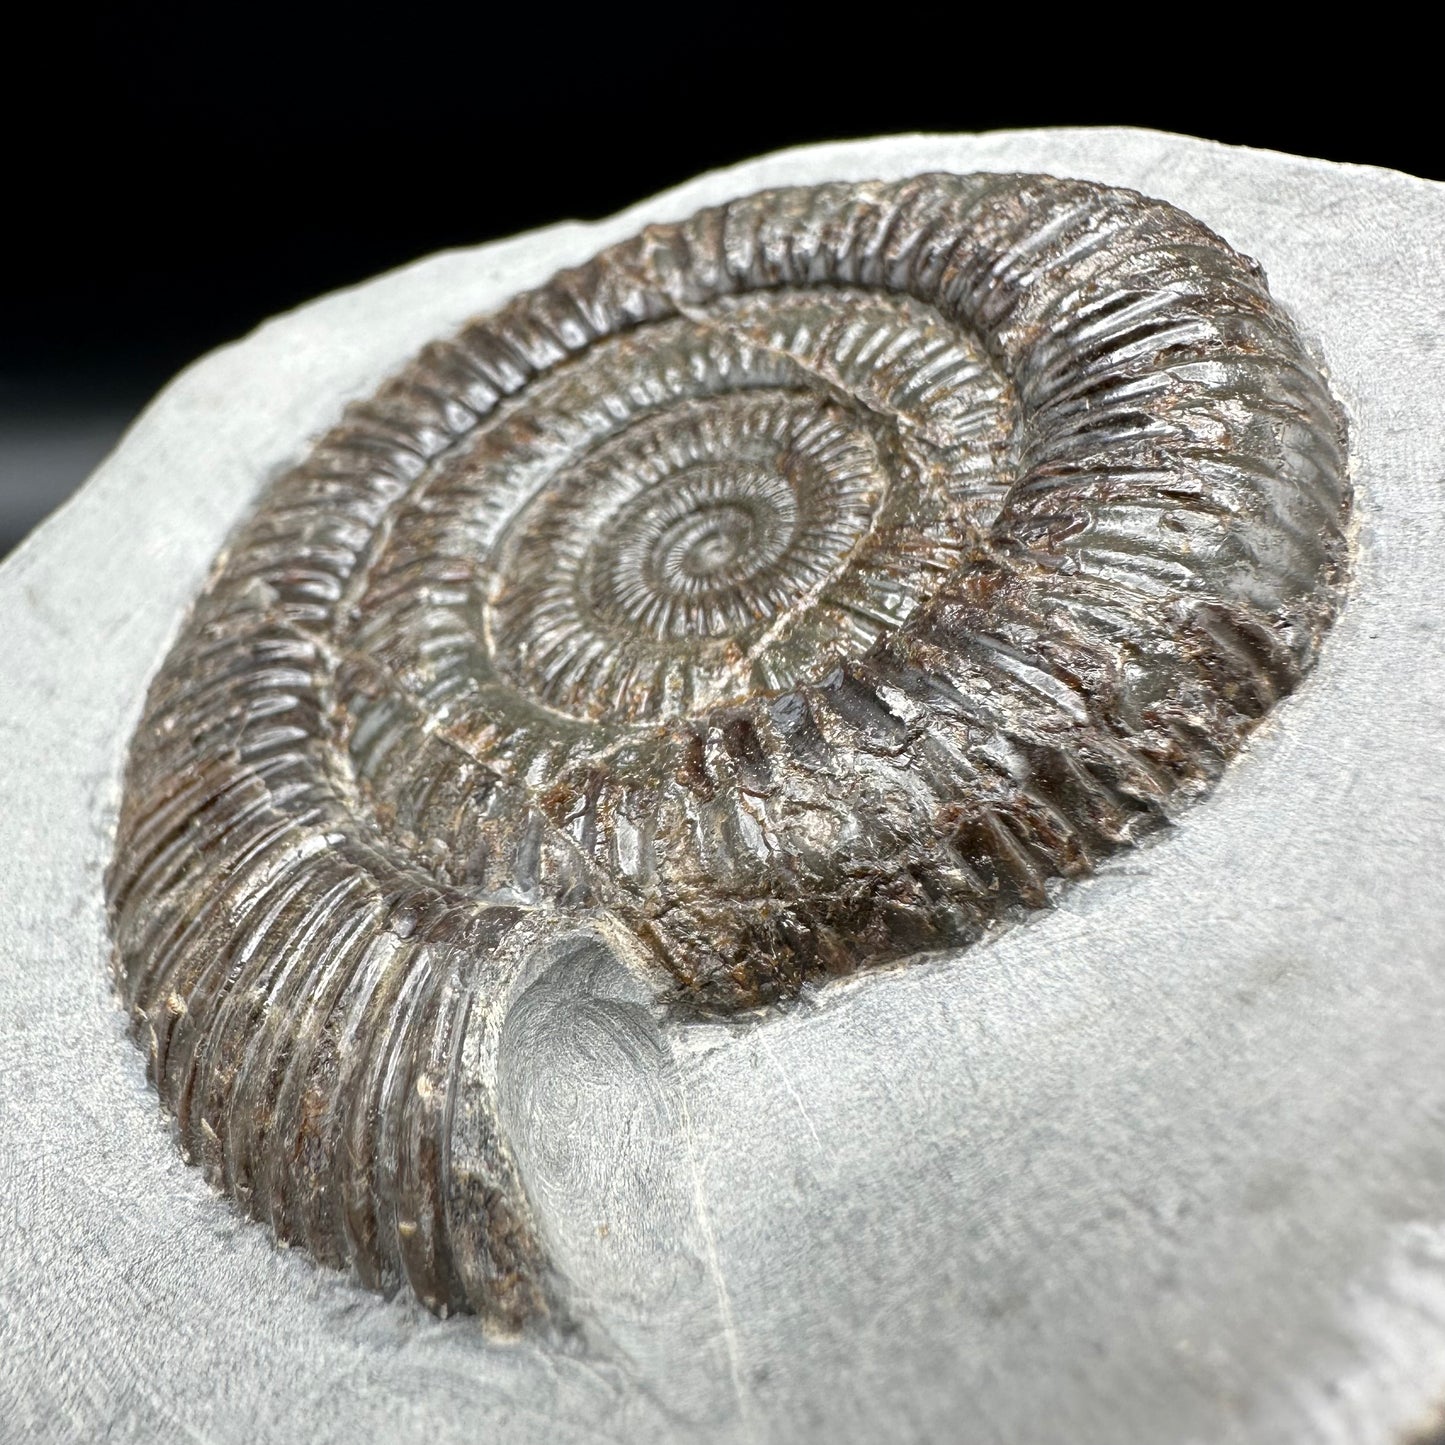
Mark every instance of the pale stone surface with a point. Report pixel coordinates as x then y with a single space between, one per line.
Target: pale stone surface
1165 1164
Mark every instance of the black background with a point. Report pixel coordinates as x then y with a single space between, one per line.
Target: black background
179 173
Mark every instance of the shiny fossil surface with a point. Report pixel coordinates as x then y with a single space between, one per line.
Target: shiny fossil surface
799 587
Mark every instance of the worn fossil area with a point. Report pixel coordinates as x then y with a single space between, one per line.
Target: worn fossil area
815 582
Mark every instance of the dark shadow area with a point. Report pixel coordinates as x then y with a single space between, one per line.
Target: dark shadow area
183 172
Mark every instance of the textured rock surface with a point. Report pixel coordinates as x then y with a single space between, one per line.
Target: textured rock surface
1163 1163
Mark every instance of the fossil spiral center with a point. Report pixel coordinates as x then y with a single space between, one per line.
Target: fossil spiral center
670 565
696 557
722 531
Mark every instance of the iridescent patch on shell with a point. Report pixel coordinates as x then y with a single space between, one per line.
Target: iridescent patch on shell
814 582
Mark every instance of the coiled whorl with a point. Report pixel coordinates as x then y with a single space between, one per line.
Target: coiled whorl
791 589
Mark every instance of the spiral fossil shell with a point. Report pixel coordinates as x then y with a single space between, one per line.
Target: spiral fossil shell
804 585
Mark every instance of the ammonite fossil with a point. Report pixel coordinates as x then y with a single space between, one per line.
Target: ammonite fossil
818 581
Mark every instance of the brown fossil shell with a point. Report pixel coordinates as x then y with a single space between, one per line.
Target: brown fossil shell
795 588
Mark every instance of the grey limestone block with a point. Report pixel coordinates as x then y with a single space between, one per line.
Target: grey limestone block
1159 1160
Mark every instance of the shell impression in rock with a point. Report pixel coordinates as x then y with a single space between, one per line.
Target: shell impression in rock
808 584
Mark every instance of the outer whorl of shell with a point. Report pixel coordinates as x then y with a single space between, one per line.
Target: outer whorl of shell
794 588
